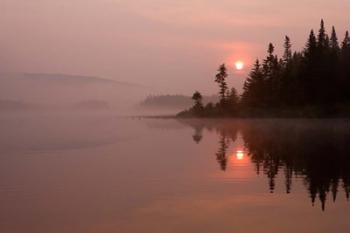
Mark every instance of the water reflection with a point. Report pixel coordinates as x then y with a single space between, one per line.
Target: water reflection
240 154
198 134
221 155
316 151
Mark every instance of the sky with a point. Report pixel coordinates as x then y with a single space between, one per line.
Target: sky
173 46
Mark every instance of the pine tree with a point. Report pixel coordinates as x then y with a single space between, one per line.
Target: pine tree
288 89
334 71
253 87
269 62
334 41
220 78
287 56
311 45
322 37
346 42
271 71
198 105
232 101
309 77
295 96
345 69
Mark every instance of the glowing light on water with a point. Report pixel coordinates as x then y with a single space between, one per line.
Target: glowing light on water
240 155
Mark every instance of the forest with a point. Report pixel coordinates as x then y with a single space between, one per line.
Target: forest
314 82
172 101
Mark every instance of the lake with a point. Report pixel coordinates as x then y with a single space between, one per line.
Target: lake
104 174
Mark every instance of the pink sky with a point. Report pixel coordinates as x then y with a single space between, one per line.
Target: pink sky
173 45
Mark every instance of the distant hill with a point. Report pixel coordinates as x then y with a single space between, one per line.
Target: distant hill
173 101
66 79
62 91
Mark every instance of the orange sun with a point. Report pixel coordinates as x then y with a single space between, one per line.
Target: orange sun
239 65
240 155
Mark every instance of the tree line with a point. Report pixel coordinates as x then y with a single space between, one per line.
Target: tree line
172 101
314 82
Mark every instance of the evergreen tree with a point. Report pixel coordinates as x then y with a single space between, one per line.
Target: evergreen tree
310 74
345 70
325 83
288 89
346 42
198 105
271 71
253 87
334 41
232 101
311 45
322 36
333 63
269 62
220 78
287 56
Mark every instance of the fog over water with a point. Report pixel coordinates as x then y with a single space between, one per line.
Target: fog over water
106 174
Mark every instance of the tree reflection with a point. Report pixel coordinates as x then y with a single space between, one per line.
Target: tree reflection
316 151
227 134
198 134
221 155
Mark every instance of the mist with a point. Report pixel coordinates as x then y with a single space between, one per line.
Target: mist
24 92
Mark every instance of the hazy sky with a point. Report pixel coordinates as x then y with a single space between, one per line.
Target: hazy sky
173 45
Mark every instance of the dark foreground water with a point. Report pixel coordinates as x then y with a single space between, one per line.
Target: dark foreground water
94 174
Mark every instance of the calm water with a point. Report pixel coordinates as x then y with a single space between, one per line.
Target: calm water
96 174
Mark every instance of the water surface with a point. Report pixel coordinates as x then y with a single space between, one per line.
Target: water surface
103 174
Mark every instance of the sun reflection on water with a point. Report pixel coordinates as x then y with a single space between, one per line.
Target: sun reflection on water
240 154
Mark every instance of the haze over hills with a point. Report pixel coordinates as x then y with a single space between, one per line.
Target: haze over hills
62 92
65 79
59 91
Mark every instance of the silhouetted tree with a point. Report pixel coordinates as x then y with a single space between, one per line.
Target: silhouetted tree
345 70
232 101
322 37
220 78
287 55
253 88
198 105
197 97
346 42
271 71
334 41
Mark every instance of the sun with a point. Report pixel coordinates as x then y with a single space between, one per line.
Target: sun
239 65
240 155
